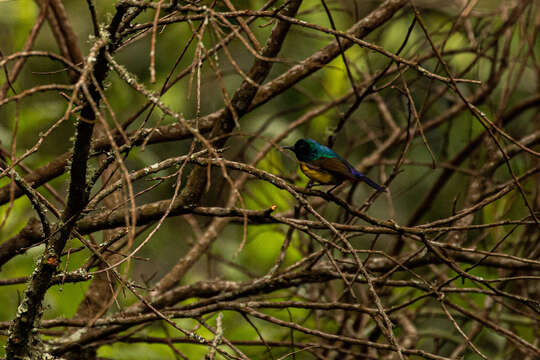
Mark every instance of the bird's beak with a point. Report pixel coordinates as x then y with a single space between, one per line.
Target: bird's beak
288 148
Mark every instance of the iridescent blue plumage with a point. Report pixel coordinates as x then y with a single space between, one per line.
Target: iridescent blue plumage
323 165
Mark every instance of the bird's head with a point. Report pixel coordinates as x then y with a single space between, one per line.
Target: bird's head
304 149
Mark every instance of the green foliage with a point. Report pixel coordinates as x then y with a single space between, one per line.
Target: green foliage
364 132
17 18
263 248
122 351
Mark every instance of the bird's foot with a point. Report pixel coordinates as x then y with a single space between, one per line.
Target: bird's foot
329 192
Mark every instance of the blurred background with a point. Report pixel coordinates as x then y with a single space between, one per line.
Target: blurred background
432 174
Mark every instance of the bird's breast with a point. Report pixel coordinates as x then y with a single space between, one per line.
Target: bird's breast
318 175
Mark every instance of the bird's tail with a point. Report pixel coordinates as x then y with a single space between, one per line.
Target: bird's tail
358 175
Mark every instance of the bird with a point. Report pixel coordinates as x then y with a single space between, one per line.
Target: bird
324 166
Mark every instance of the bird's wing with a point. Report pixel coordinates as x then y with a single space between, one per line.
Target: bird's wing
343 169
334 165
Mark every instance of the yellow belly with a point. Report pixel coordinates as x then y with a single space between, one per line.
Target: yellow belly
319 176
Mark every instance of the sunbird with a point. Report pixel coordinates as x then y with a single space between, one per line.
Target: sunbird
324 166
